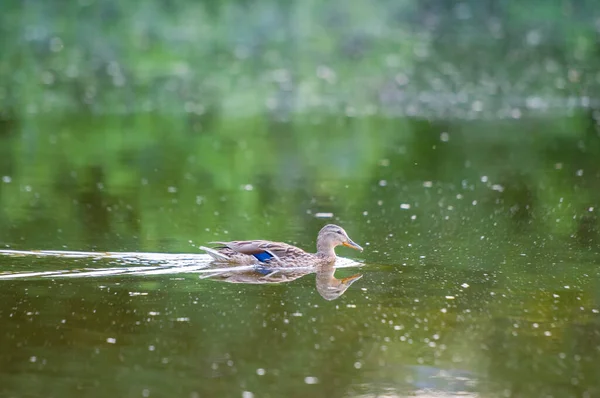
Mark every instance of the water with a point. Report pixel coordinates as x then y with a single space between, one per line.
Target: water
457 143
480 275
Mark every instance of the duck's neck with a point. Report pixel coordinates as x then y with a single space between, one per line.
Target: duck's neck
325 251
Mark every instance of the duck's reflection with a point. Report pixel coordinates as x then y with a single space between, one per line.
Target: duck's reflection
328 286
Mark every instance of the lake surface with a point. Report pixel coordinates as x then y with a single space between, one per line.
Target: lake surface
480 269
458 144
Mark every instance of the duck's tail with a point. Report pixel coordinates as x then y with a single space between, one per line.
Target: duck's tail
215 254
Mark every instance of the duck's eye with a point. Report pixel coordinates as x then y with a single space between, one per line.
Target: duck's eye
339 231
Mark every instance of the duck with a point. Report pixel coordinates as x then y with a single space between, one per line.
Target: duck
279 254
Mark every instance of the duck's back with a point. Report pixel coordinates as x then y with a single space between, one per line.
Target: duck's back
263 250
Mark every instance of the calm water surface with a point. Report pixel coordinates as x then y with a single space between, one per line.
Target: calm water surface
480 274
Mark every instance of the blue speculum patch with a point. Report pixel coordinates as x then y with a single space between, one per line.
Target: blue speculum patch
263 257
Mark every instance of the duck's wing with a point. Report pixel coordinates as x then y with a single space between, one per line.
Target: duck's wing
263 250
215 254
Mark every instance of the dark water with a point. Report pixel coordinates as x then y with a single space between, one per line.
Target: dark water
480 274
457 142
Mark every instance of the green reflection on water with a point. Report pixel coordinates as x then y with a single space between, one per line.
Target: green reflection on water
480 257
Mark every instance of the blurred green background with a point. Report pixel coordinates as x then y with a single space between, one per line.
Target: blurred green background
458 142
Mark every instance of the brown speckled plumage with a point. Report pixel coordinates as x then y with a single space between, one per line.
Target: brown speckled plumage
278 254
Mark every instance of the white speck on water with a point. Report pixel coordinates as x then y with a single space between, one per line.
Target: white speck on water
247 394
357 365
534 37
585 102
324 215
382 183
535 325
311 380
579 173
247 187
145 392
444 310
474 203
153 313
498 187
595 311
151 348
33 359
111 340
436 336
365 213
535 103
591 209
405 206
6 179
297 314
444 137
547 333
183 319
260 371
413 217
558 166
449 297
567 287
465 285
172 189
484 178
427 184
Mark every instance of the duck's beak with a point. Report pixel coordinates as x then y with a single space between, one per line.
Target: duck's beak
352 245
351 279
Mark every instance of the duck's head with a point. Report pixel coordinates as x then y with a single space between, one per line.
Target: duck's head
331 236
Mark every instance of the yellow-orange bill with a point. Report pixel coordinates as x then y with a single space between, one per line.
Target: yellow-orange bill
351 279
353 245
